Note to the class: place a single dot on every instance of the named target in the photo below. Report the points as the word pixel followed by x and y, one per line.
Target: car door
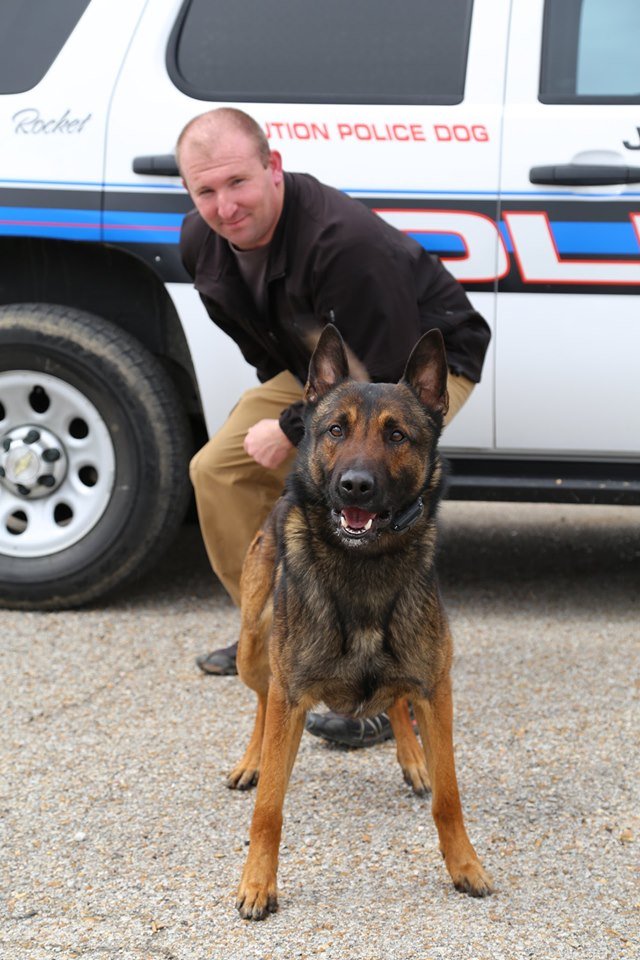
pixel 568 324
pixel 399 105
pixel 58 65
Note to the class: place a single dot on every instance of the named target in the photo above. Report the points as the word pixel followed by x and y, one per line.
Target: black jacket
pixel 332 260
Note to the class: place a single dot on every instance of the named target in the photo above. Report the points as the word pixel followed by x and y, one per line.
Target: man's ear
pixel 426 372
pixel 328 366
pixel 275 165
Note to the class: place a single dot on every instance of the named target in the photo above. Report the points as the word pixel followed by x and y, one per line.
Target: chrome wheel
pixel 57 464
pixel 94 454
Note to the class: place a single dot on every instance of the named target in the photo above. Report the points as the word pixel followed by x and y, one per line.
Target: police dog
pixel 340 601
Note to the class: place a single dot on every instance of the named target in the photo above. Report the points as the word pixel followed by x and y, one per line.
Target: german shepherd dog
pixel 340 601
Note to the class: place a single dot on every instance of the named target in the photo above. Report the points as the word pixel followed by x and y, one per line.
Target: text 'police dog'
pixel 340 601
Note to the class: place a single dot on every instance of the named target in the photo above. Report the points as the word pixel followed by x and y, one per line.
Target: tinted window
pixel 334 51
pixel 32 33
pixel 590 52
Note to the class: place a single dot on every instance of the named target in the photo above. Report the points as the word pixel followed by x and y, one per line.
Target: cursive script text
pixel 30 121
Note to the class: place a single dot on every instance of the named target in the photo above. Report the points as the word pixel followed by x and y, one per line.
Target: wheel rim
pixel 57 464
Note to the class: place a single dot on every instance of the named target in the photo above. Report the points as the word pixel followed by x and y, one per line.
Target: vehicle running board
pixel 549 481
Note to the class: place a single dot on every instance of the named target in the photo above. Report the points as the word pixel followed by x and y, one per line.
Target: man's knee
pixel 207 464
pixel 193 467
pixel 460 389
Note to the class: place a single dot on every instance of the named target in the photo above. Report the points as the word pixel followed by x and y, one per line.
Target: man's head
pixel 235 181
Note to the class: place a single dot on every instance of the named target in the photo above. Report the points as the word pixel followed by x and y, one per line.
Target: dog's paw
pixel 256 901
pixel 243 777
pixel 471 878
pixel 417 776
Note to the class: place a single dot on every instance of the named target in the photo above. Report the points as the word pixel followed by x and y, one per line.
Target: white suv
pixel 502 135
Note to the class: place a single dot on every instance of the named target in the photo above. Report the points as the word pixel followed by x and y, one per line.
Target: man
pixel 274 257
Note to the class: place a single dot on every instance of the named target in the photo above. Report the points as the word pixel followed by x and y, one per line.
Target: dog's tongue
pixel 356 518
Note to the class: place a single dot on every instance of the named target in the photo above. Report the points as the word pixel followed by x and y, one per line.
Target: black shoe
pixel 222 663
pixel 338 728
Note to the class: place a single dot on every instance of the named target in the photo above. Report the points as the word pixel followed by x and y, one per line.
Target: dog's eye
pixel 335 430
pixel 397 436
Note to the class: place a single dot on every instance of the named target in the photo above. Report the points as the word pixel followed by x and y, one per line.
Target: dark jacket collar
pixel 278 257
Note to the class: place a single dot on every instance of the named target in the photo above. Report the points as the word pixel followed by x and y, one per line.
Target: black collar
pixel 407 517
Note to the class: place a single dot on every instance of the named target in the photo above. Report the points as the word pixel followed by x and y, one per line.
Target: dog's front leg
pixel 435 721
pixel 257 894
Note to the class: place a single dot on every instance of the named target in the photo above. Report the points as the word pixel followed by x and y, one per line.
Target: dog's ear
pixel 426 372
pixel 328 366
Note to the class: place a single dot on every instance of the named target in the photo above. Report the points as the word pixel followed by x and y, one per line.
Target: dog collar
pixel 407 517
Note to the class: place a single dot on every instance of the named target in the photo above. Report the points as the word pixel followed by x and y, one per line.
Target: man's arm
pixel 370 295
pixel 383 291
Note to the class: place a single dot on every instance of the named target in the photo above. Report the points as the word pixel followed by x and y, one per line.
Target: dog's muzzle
pixel 355 492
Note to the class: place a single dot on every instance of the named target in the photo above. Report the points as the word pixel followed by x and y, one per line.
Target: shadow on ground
pixel 585 556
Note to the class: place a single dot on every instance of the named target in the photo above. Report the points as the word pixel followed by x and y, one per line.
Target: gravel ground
pixel 120 839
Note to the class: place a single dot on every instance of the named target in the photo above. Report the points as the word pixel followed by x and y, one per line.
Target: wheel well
pixel 107 281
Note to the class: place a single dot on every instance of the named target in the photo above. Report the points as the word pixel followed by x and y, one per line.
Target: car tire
pixel 94 448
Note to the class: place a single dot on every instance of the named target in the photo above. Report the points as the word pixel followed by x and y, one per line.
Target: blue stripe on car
pixel 572 238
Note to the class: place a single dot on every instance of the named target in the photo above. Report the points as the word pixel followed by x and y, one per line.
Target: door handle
pixel 159 165
pixel 584 174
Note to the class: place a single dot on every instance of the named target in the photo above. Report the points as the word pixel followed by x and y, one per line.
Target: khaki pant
pixel 234 494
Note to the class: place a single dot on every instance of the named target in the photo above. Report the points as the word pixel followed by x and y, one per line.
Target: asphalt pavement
pixel 120 840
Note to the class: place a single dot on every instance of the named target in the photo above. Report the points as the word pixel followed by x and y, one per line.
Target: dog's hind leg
pixel 435 720
pixel 410 755
pixel 284 723
pixel 253 648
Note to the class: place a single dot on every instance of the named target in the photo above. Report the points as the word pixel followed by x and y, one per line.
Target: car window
pixel 32 34
pixel 590 52
pixel 337 51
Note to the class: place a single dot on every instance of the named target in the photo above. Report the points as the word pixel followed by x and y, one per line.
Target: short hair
pixel 205 128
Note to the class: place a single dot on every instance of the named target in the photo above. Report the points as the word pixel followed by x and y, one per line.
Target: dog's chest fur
pixel 358 631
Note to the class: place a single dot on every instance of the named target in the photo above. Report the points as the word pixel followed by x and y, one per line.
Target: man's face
pixel 233 192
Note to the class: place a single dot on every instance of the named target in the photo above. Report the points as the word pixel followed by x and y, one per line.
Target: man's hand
pixel 267 444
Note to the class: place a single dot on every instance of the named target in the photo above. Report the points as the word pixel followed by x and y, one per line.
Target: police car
pixel 504 135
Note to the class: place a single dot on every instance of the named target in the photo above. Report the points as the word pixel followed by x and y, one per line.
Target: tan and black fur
pixel 340 607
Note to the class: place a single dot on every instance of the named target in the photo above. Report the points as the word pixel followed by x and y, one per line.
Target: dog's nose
pixel 357 485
